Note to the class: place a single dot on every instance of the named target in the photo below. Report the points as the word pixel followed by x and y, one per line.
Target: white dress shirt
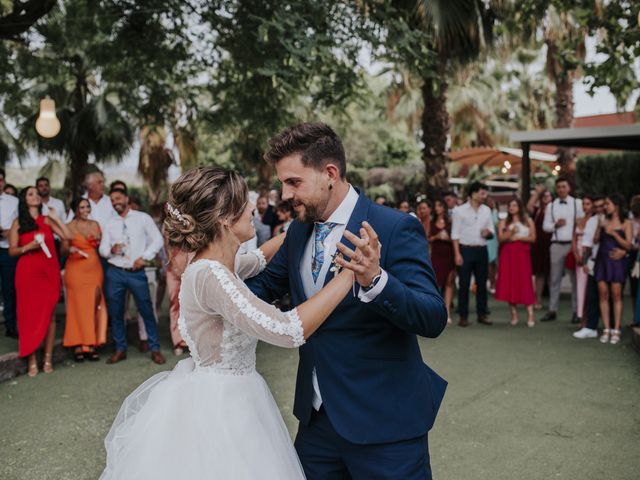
pixel 8 213
pixel 101 211
pixel 589 236
pixel 139 235
pixel 467 224
pixel 570 209
pixel 341 218
pixel 57 205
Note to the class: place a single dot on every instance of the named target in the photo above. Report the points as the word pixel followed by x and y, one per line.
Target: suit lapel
pixel 358 216
pixel 299 247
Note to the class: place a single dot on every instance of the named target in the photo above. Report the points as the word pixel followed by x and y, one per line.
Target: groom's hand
pixel 365 260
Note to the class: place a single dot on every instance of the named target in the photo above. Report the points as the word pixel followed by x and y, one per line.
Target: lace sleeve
pixel 250 264
pixel 226 295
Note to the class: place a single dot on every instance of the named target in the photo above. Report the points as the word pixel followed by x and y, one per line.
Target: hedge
pixel 609 173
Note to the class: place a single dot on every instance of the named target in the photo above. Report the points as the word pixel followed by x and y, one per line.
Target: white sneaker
pixel 585 333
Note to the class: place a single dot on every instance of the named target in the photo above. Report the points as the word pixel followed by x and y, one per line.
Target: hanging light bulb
pixel 47 124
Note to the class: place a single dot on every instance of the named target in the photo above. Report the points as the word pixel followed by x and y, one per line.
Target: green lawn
pixel 522 404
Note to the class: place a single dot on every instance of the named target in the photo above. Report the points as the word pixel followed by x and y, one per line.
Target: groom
pixel 364 398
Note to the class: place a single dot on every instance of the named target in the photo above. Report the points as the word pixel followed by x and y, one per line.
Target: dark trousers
pixel 476 262
pixel 8 279
pixel 325 455
pixel 117 283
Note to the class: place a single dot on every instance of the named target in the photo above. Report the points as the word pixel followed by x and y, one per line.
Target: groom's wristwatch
pixel 373 283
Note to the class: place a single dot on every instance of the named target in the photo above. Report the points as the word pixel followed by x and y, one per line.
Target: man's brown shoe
pixel 118 356
pixel 157 357
pixel 463 322
pixel 484 320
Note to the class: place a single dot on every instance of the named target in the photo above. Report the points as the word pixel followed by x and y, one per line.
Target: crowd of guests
pixel 594 239
pixel 104 250
pixel 96 256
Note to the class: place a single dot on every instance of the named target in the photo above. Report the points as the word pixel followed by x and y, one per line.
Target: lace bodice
pixel 222 320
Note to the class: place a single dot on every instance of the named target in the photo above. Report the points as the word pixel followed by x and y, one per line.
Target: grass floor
pixel 521 404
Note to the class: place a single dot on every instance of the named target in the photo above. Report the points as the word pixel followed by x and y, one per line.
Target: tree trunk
pixel 435 132
pixel 74 181
pixel 78 158
pixel 564 119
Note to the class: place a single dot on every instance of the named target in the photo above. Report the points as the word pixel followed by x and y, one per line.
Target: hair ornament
pixel 175 213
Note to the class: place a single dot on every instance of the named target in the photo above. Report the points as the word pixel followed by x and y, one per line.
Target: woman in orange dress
pixel 86 326
pixel 37 277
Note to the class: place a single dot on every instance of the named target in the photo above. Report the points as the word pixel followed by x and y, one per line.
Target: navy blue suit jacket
pixel 375 386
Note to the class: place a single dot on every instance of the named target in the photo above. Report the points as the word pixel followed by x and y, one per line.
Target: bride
pixel 213 416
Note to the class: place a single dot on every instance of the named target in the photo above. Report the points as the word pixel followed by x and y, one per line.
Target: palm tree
pixel 431 39
pixel 154 162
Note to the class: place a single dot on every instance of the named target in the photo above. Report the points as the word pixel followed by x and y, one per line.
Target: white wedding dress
pixel 212 416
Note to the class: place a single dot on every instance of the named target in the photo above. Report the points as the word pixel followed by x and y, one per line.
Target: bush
pixel 610 173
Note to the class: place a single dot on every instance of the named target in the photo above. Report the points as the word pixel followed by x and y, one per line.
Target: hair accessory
pixel 175 213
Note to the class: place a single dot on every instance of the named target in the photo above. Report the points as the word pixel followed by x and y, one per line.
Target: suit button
pixel 386 303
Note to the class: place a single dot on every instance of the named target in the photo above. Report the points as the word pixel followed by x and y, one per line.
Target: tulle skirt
pixel 200 424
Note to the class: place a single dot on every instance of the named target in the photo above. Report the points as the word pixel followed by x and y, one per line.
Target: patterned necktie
pixel 322 230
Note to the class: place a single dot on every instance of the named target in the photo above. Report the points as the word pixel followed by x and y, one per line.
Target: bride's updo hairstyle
pixel 200 202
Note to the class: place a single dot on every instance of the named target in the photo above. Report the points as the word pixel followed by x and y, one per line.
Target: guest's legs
pixel 603 290
pixel 115 291
pixel 465 279
pixel 480 273
pixel 616 293
pixel 574 291
pixel 540 281
pixel 593 303
pixel 139 286
pixel 48 346
pixel 558 254
pixel 581 290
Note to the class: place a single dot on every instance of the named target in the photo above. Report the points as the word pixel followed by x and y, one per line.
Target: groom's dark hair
pixel 317 144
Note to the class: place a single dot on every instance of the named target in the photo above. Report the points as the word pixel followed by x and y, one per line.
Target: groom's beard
pixel 309 215
pixel 312 213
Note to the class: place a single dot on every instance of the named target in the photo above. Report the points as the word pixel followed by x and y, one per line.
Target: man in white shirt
pixel 101 208
pixel 560 220
pixel 472 225
pixel 44 190
pixel 129 240
pixel 8 213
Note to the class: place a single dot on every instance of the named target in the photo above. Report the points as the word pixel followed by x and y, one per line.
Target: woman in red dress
pixel 514 284
pixel 37 276
pixel 442 255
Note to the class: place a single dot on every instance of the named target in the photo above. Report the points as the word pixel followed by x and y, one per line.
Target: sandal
pixel 92 355
pixel 514 321
pixel 615 336
pixel 48 363
pixel 604 338
pixel 78 356
pixel 531 323
pixel 32 369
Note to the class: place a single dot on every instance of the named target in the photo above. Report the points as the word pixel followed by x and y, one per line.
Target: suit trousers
pixel 325 455
pixel 558 253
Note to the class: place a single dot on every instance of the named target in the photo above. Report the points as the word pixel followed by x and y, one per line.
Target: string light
pixel 47 124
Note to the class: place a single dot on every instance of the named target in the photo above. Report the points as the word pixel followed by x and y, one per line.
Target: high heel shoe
pixel 48 363
pixel 32 369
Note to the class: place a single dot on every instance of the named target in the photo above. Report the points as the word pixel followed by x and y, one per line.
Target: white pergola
pixel 620 137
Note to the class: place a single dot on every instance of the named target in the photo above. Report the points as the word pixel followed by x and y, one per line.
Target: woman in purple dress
pixel 614 232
